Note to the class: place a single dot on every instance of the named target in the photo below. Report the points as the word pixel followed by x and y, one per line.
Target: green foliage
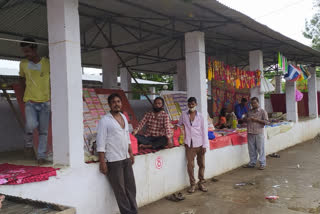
pixel 312 27
pixel 137 92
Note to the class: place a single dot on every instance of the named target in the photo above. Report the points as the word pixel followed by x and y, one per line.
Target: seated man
pixel 241 110
pixel 158 133
pixel 222 123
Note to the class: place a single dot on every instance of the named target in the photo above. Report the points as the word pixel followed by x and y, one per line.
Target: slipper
pixel 172 198
pixel 214 180
pixel 274 155
pixel 175 197
pixel 180 196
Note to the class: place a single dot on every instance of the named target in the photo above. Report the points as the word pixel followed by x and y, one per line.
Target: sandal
pixel 248 166
pixel 192 189
pixel 274 155
pixel 203 188
pixel 175 197
pixel 180 196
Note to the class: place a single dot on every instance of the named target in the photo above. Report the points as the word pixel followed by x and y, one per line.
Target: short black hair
pixel 159 98
pixel 223 112
pixel 26 43
pixel 192 99
pixel 244 100
pixel 255 98
pixel 112 96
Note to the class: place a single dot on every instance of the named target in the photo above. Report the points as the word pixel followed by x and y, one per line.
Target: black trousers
pixel 121 177
pixel 155 142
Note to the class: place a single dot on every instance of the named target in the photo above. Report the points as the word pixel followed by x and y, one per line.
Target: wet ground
pixel 294 177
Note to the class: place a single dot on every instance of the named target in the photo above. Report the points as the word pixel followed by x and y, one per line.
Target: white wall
pixel 87 190
pixel 11 134
pixel 268 105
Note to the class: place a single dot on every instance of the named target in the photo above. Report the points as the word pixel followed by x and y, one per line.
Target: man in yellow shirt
pixel 35 71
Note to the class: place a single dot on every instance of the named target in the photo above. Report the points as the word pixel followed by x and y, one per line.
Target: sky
pixel 285 16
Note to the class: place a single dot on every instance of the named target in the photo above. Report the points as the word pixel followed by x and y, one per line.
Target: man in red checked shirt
pixel 158 133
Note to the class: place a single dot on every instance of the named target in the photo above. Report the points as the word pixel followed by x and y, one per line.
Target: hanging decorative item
pixel 299 95
pixel 210 70
pixel 282 63
pixel 237 78
pixel 306 74
pixel 293 74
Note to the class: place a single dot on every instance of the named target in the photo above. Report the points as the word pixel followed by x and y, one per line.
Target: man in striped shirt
pixel 158 132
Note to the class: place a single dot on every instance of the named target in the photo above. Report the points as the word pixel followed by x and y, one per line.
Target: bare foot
pixel 2 197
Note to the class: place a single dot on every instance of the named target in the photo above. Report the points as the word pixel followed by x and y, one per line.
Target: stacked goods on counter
pixel 175 104
pixel 94 107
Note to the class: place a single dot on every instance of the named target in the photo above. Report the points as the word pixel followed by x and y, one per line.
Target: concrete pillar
pixel 196 69
pixel 179 79
pixel 312 94
pixel 291 104
pixel 152 90
pixel 66 82
pixel 278 88
pixel 125 81
pixel 256 62
pixel 110 62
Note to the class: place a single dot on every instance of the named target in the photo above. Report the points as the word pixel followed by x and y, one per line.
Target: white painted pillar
pixel 291 104
pixel 109 61
pixel 278 88
pixel 180 78
pixel 125 81
pixel 312 94
pixel 152 90
pixel 256 62
pixel 196 69
pixel 66 82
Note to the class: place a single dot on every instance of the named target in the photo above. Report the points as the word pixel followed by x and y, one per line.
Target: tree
pixel 154 77
pixel 312 27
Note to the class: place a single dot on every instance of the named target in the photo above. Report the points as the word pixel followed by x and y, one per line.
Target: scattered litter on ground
pixel 214 180
pixel 242 184
pixel 276 186
pixel 272 198
pixel 286 181
pixel 176 197
pixel 274 155
pixel 189 212
pixel 298 166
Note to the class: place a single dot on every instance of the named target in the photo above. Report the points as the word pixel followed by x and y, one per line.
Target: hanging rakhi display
pixel 237 78
pixel 282 63
pixel 210 70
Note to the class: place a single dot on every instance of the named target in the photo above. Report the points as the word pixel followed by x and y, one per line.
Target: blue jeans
pixel 256 147
pixel 37 116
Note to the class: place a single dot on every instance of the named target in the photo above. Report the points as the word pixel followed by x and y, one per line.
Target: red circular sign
pixel 159 162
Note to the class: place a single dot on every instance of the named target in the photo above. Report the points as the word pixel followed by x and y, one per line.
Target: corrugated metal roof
pixel 149 34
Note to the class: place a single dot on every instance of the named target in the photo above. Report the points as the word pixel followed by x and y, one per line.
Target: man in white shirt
pixel 115 155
